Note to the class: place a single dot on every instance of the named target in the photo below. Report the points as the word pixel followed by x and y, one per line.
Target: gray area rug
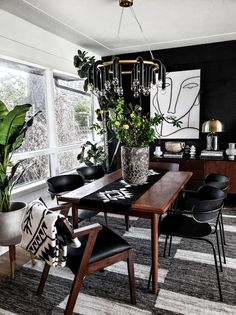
pixel 187 280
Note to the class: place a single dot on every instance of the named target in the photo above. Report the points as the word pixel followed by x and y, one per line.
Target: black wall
pixel 217 62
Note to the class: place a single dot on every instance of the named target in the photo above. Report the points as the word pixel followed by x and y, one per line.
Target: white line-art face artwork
pixel 180 101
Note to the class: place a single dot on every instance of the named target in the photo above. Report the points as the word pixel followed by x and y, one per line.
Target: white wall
pixel 22 40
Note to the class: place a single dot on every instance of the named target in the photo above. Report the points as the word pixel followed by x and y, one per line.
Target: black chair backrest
pixel 91 172
pixel 209 193
pixel 63 183
pixel 207 210
pixel 164 165
pixel 219 185
pixel 217 180
pixel 210 203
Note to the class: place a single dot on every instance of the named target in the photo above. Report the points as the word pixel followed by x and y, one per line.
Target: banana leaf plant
pixel 13 127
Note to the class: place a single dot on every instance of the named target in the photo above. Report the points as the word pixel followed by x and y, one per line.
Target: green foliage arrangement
pixel 130 126
pixel 94 155
pixel 13 127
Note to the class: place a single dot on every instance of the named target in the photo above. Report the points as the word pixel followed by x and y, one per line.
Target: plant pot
pixel 10 224
pixel 134 164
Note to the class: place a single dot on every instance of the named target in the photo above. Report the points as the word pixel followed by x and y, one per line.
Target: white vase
pixel 134 164
pixel 231 151
pixel 158 152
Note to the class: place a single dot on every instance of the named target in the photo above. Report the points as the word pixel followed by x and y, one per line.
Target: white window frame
pixel 52 150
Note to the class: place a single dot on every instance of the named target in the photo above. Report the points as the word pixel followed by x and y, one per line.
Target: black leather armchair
pixel 100 247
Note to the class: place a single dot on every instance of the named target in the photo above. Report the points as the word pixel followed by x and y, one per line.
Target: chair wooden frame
pixel 87 268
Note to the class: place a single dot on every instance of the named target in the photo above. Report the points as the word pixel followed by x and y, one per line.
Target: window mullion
pixel 51 122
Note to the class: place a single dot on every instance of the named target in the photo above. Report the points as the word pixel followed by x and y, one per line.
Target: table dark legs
pixel 154 242
pixel 75 216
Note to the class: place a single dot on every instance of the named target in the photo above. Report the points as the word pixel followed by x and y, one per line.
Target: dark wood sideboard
pixel 201 168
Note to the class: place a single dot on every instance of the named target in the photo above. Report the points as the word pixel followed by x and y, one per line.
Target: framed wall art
pixel 181 100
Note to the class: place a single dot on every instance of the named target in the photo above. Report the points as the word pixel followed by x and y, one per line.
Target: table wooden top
pixel 157 199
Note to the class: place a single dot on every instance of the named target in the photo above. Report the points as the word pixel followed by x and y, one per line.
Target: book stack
pixel 173 155
pixel 212 155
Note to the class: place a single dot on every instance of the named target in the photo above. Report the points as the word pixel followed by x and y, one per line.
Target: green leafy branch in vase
pixel 128 124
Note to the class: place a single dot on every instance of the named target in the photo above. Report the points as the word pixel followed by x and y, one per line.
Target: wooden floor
pixel 21 258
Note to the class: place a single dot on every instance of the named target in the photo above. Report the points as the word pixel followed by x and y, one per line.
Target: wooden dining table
pixel 153 202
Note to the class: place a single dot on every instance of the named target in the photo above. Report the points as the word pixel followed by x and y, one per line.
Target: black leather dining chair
pixel 61 184
pixel 203 193
pixel 196 219
pixel 90 173
pixel 222 182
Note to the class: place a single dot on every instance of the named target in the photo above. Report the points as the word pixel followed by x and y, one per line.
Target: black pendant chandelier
pixel 105 76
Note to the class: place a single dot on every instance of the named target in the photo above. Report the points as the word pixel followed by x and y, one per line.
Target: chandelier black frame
pixel 106 76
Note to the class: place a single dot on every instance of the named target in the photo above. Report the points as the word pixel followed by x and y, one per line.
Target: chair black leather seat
pixel 107 244
pixel 91 172
pixel 61 184
pixel 179 225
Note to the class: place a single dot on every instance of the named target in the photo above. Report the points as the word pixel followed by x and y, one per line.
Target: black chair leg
pixel 222 226
pixel 105 217
pixel 222 242
pixel 218 247
pixel 127 223
pixel 170 243
pixel 149 279
pixel 217 272
pixel 164 253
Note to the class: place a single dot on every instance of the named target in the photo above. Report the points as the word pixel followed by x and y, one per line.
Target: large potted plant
pixel 13 126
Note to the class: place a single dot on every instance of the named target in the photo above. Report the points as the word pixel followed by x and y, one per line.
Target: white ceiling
pixel 93 24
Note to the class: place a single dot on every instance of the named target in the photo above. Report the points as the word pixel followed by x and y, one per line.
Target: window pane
pixel 21 84
pixel 37 168
pixel 68 160
pixel 74 114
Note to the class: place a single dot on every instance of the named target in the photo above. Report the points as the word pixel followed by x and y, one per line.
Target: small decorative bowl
pixel 174 147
